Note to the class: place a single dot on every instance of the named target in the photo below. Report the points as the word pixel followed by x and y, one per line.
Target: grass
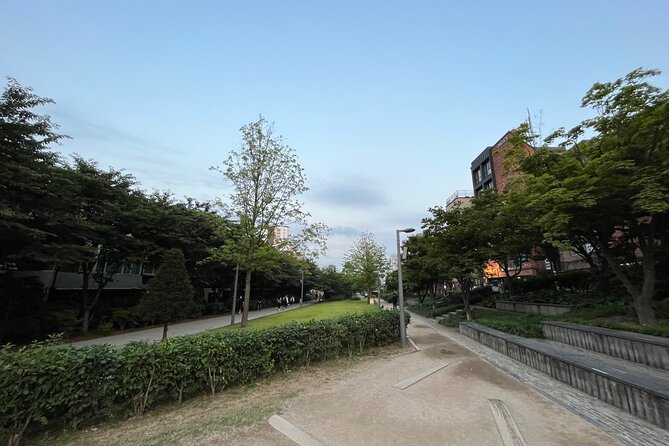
pixel 324 310
pixel 615 316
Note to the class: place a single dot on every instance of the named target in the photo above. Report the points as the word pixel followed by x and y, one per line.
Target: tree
pixel 365 262
pixel 461 246
pixel 612 188
pixel 107 212
pixel 169 296
pixel 511 234
pixel 29 195
pixel 425 272
pixel 267 179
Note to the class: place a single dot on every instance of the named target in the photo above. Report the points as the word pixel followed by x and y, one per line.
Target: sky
pixel 386 103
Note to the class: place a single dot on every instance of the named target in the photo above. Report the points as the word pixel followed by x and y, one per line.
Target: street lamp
pixel 400 287
pixel 234 296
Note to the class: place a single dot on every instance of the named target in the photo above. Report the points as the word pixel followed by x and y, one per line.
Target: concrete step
pixel 635 388
pixel 635 347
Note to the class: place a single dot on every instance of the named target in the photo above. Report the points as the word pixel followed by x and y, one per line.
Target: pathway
pixel 441 394
pixel 180 329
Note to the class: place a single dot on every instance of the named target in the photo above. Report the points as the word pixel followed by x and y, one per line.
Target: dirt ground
pixel 361 406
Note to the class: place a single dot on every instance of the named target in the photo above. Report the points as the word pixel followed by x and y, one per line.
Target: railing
pixel 459 194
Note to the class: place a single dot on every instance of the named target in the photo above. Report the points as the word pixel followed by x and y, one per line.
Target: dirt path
pixel 450 406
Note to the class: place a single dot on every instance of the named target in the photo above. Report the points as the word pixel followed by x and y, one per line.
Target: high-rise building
pixel 278 235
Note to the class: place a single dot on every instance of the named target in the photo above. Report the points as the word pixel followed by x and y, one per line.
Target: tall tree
pixel 612 188
pixel 425 272
pixel 107 209
pixel 511 235
pixel 29 195
pixel 365 262
pixel 461 244
pixel 169 296
pixel 267 180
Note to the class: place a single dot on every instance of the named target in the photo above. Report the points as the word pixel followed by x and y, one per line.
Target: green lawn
pixel 324 310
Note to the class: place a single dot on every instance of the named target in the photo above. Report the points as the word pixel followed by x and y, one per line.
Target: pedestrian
pixel 278 303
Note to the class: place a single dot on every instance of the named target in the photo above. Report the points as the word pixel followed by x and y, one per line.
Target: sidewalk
pixel 395 401
pixel 180 329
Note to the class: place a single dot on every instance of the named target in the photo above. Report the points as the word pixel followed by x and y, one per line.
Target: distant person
pixel 279 301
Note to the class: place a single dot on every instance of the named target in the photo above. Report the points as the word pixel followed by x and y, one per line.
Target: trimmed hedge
pixel 47 383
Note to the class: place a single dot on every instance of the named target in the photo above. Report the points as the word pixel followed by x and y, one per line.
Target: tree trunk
pixel 85 309
pixel 507 278
pixel 85 319
pixel 468 308
pixel 247 299
pixel 644 302
pixel 165 332
pixel 52 283
pixel 642 299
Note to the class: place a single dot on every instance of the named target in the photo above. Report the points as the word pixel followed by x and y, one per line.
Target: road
pixel 180 329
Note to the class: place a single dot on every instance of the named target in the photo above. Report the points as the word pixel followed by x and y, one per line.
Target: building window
pixel 488 185
pixel 487 170
pixel 148 269
pixel 477 176
pixel 132 268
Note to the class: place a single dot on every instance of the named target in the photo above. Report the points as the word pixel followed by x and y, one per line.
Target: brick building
pixel 488 170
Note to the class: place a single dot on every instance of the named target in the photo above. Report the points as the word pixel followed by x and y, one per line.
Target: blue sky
pixel 386 103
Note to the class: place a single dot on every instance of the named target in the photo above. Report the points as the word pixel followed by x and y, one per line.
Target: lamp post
pixel 234 296
pixel 400 287
pixel 302 287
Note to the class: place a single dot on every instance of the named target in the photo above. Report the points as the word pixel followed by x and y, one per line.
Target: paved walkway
pixel 623 426
pixel 180 329
pixel 444 394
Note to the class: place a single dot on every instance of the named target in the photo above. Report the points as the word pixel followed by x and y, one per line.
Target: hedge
pixel 47 383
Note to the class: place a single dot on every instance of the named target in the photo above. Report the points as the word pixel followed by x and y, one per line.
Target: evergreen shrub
pixel 47 383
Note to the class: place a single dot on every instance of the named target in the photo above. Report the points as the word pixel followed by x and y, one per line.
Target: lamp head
pixel 407 230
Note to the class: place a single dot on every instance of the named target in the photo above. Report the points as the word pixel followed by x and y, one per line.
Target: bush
pixel 662 309
pixel 45 383
pixel 453 320
pixel 446 309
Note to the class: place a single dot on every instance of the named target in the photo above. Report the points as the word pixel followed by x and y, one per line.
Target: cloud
pixel 83 129
pixel 345 231
pixel 353 193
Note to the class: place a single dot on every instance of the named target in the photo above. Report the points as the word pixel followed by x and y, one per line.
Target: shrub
pixel 446 309
pixel 45 383
pixel 453 320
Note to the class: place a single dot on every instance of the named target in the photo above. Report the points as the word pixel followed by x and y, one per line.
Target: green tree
pixel 107 210
pixel 461 245
pixel 611 189
pixel 333 283
pixel 511 235
pixel 425 272
pixel 365 262
pixel 29 188
pixel 169 296
pixel 267 180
